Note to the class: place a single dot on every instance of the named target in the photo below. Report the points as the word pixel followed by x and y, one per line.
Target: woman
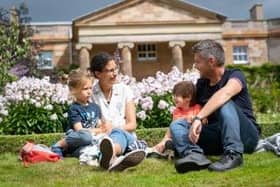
pixel 118 110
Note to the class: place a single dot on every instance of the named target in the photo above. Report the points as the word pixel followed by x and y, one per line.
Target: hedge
pixel 13 143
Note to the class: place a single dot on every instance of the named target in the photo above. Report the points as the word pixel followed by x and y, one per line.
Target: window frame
pixel 40 57
pixel 240 54
pixel 146 52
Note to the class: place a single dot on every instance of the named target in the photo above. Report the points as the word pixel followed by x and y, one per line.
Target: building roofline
pixel 96 10
pixel 273 19
pixel 246 20
pixel 204 8
pixel 123 2
pixel 51 23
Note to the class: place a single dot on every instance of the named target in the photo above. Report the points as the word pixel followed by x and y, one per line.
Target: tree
pixel 15 43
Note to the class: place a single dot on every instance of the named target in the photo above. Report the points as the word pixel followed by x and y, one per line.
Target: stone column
pixel 177 54
pixel 126 65
pixel 84 55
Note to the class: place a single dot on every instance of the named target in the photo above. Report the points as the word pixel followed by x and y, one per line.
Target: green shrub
pixel 13 143
pixel 26 118
pixel 264 86
pixel 269 129
pixel 152 136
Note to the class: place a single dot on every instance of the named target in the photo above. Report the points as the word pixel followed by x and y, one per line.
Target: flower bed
pixel 31 105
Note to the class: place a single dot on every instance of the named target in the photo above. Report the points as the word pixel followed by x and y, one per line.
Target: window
pixel 146 52
pixel 45 60
pixel 240 55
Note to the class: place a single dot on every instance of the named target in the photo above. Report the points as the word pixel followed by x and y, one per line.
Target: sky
pixel 68 10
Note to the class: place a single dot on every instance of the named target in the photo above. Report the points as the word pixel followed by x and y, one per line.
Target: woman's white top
pixel 113 111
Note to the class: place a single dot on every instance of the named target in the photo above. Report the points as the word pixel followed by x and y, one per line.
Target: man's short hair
pixel 208 48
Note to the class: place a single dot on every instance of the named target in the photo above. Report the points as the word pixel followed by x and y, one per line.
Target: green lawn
pixel 261 169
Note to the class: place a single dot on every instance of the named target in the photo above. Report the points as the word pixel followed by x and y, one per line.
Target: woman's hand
pixel 106 126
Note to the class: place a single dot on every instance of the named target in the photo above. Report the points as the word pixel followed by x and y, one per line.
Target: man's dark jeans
pixel 231 131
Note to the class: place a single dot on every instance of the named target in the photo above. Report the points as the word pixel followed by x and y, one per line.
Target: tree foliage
pixel 15 43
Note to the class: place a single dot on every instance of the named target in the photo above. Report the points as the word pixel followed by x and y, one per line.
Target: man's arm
pixel 232 88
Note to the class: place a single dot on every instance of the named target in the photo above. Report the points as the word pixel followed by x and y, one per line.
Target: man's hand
pixel 195 130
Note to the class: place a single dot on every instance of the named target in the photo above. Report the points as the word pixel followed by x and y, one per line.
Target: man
pixel 231 129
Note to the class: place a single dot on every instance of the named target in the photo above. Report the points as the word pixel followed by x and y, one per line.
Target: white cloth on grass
pixel 271 143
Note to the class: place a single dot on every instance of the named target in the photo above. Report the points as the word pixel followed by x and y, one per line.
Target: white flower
pixel 147 103
pixel 32 101
pixel 65 115
pixel 26 96
pixel 53 117
pixel 38 105
pixel 171 109
pixel 48 107
pixel 30 88
pixel 162 104
pixel 142 115
pixel 147 106
pixel 4 112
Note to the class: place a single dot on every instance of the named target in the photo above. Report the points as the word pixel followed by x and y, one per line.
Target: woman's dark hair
pixel 99 61
pixel 185 89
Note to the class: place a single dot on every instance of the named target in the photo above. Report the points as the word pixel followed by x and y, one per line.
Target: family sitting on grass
pixel 214 117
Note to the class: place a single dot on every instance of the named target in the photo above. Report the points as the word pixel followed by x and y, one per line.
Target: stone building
pixel 152 35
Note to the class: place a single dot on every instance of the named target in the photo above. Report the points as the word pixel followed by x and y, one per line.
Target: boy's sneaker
pixel 57 150
pixel 131 159
pixel 106 149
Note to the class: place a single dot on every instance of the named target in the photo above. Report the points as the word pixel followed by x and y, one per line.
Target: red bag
pixel 33 153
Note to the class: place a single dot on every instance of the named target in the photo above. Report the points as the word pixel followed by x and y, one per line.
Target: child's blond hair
pixel 77 79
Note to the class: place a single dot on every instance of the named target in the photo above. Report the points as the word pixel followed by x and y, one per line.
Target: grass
pixel 260 169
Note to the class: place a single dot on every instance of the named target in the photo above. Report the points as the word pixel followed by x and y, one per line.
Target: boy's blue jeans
pixel 232 131
pixel 122 137
pixel 77 140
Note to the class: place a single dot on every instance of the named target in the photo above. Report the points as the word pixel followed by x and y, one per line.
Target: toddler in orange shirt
pixel 184 99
